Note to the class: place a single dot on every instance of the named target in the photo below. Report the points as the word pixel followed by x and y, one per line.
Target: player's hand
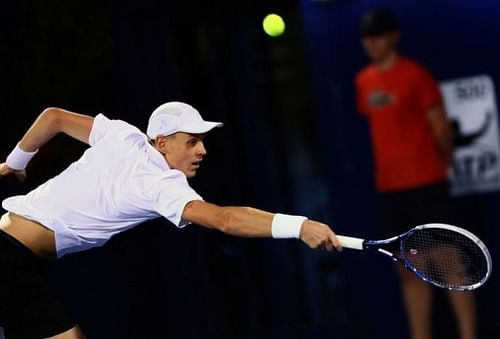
pixel 6 171
pixel 319 236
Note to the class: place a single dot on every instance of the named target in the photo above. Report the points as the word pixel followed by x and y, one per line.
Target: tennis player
pixel 413 145
pixel 124 178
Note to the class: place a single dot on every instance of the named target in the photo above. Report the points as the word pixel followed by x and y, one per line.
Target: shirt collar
pixel 156 157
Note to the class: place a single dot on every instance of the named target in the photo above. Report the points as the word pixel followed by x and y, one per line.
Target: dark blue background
pixel 292 142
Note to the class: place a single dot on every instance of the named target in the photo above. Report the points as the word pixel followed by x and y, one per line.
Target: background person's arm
pixel 251 222
pixel 442 131
pixel 48 124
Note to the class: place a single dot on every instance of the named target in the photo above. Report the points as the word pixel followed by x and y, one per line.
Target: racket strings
pixel 445 257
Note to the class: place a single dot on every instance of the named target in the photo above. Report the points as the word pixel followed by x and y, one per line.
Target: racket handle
pixel 350 242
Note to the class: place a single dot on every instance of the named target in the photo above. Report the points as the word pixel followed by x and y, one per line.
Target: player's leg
pixel 28 308
pixel 464 309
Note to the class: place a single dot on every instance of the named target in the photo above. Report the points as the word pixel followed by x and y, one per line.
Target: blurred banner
pixel 472 109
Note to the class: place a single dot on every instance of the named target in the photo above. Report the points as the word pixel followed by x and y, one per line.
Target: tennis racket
pixel 444 255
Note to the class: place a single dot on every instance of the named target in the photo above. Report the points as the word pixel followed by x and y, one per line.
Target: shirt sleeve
pixel 427 91
pixel 173 196
pixel 114 129
pixel 99 128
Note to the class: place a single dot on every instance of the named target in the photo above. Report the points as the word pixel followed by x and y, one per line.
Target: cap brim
pixel 201 128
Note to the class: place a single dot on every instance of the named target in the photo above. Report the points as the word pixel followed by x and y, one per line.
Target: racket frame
pixel 377 245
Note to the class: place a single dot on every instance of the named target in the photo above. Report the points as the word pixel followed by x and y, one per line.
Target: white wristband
pixel 19 159
pixel 287 226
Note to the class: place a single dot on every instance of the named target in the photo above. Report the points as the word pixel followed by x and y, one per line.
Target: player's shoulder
pixel 113 130
pixel 159 176
pixel 160 181
pixel 123 128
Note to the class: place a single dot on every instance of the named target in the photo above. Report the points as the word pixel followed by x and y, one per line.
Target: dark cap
pixel 378 22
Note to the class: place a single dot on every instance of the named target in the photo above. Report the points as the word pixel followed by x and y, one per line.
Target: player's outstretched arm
pixel 49 123
pixel 251 222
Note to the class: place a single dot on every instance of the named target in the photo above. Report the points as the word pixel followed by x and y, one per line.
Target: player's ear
pixel 166 144
pixel 161 144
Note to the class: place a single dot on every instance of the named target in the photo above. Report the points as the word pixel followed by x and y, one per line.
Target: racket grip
pixel 350 242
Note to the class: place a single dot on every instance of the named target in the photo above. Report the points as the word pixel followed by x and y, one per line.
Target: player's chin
pixel 191 173
pixel 191 169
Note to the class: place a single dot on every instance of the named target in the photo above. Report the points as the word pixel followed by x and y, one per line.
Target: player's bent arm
pixel 53 121
pixel 49 123
pixel 442 131
pixel 251 222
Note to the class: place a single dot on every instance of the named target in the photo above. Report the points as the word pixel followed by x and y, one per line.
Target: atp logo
pixel 472 111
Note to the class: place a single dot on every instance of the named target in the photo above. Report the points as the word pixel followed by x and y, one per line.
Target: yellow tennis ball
pixel 273 25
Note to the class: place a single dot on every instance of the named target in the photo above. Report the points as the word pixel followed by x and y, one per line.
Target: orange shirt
pixel 395 102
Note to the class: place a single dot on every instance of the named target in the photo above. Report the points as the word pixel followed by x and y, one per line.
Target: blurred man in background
pixel 413 145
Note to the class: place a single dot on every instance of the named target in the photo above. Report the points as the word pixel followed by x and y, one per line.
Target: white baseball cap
pixel 174 116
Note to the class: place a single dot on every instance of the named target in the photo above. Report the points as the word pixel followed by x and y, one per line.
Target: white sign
pixel 471 106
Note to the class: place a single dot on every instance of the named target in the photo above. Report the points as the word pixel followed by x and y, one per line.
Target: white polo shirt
pixel 118 183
